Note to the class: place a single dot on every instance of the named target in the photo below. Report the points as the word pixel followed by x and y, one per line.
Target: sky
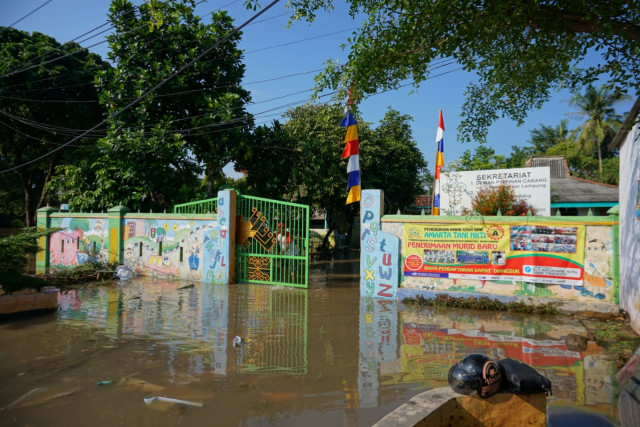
pixel 272 51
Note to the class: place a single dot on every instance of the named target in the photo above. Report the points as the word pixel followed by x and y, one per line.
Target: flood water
pixel 316 357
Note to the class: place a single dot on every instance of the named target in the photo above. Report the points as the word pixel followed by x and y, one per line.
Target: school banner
pixel 529 253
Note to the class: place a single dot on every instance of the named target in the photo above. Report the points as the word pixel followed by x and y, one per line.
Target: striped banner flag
pixel 351 150
pixel 439 165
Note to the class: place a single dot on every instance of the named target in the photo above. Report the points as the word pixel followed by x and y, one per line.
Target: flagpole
pixel 435 198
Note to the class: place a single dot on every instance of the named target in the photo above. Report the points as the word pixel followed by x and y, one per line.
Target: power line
pixel 97 135
pixel 32 12
pixel 144 95
pixel 30 64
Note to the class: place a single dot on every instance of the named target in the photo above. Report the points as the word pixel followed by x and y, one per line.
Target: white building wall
pixel 630 227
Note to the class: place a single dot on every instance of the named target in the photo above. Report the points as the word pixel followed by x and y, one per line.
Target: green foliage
pixel 491 200
pixel 391 160
pixel 45 102
pixel 301 160
pixel 521 51
pixel 196 122
pixel 13 259
pixel 484 157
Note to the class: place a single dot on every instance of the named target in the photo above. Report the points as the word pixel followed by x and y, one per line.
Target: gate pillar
pixel 219 266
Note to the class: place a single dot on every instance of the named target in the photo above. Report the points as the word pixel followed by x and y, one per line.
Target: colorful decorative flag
pixel 352 152
pixel 439 165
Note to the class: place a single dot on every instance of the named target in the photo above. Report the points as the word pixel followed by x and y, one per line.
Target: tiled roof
pixel 571 189
pixel 568 189
pixel 558 167
pixel 424 200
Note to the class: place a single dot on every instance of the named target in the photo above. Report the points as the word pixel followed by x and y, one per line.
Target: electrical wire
pixel 31 13
pixel 144 95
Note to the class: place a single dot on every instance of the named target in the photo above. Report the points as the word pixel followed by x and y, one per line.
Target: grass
pixel 482 303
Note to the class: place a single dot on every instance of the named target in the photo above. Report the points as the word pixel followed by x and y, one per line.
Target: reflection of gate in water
pixel 272 242
pixel 277 325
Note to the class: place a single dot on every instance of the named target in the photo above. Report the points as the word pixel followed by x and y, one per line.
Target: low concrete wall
pixel 583 248
pixel 444 407
pixel 18 303
pixel 198 247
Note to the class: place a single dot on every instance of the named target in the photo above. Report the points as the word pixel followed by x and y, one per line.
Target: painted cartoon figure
pixel 194 259
pixel 160 265
pixel 64 247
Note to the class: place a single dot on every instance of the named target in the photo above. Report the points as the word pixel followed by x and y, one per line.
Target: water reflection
pixel 194 319
pixel 431 341
pixel 322 356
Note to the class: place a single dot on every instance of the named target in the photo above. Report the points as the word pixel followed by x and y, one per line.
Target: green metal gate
pixel 272 242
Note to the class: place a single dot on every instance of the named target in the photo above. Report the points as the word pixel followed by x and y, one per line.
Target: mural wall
pixel 445 254
pixel 82 239
pixel 197 247
pixel 379 254
pixel 596 286
pixel 168 247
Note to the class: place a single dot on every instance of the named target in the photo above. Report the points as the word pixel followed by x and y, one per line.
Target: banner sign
pixel 533 185
pixel 534 253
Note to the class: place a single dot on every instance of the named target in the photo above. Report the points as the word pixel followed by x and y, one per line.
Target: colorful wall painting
pixel 169 248
pixel 597 285
pixel 535 253
pixel 218 244
pixel 379 254
pixel 82 239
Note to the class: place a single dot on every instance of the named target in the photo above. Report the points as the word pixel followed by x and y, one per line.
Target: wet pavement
pixel 315 357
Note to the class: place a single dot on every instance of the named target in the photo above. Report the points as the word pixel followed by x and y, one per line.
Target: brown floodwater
pixel 315 357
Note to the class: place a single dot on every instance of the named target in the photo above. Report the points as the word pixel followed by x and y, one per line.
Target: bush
pixel 13 259
pixel 491 200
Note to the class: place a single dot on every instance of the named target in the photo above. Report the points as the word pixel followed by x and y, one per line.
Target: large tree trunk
pixel 29 211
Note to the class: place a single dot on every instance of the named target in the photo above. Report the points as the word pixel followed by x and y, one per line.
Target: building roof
pixel 423 201
pixel 569 189
pixel 558 167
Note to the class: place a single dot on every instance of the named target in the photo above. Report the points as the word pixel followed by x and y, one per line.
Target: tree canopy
pixel 521 51
pixel 45 103
pixel 195 122
pixel 300 159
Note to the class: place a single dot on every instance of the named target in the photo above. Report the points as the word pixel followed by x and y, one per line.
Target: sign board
pixel 535 253
pixel 531 184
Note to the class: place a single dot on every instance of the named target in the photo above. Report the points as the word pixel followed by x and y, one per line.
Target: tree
pixel 300 160
pixel 602 122
pixel 48 97
pixel 13 259
pixel 521 51
pixel 270 160
pixel 319 174
pixel 195 122
pixel 483 158
pixel 392 161
pixel 503 199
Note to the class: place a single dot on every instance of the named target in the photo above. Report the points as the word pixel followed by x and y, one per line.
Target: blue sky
pixel 67 19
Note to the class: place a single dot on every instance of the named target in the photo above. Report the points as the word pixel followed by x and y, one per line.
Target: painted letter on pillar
pixel 379 251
